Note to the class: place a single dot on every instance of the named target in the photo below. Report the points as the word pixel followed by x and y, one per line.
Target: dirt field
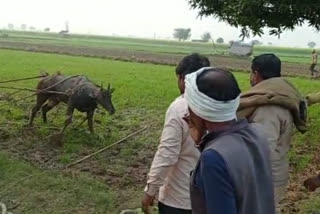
pixel 242 64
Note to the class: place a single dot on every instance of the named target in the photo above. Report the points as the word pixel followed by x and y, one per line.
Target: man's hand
pixel 146 203
pixel 312 183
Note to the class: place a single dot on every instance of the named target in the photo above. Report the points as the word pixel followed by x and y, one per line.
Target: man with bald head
pixel 233 174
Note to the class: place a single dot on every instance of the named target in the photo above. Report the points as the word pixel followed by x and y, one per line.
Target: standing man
pixel 233 175
pixel 314 73
pixel 274 103
pixel 176 156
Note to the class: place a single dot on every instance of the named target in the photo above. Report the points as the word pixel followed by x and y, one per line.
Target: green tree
pixel 47 29
pixel 312 44
pixel 253 16
pixel 182 34
pixel 220 40
pixel 206 36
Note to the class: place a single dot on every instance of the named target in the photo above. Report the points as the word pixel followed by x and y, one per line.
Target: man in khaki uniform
pixel 277 105
pixel 314 73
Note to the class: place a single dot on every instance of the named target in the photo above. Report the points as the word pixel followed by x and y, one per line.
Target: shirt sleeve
pixel 168 151
pixel 217 184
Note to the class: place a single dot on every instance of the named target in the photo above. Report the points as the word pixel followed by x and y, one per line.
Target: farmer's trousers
pixel 164 209
pixel 313 71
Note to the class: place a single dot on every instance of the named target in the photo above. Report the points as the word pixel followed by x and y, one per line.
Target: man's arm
pixel 217 184
pixel 166 156
pixel 168 152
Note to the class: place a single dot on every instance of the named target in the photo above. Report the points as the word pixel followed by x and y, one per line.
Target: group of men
pixel 222 151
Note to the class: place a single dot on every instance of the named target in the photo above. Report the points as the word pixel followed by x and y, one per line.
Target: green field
pixel 292 55
pixel 112 180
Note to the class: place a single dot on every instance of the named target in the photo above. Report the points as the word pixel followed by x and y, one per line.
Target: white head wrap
pixel 206 107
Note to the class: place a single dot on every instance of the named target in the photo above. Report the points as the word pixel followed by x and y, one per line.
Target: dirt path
pixel 145 57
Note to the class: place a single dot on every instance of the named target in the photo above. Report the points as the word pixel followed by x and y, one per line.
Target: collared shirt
pixel 175 158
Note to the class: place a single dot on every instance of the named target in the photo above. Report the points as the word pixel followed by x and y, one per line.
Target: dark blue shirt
pixel 214 181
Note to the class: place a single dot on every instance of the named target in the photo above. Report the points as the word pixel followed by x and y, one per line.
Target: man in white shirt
pixel 176 156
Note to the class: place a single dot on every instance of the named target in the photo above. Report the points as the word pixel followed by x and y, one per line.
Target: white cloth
pixel 206 107
pixel 175 159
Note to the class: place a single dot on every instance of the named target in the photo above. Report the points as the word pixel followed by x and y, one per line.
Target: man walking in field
pixel 233 175
pixel 176 156
pixel 274 103
pixel 314 73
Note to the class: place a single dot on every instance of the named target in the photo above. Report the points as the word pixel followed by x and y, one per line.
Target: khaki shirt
pixel 278 126
pixel 314 58
pixel 175 158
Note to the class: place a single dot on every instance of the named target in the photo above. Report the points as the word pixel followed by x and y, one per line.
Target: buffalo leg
pixel 90 120
pixel 68 121
pixel 47 107
pixel 41 99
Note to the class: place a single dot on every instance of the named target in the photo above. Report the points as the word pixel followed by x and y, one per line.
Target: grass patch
pixel 51 192
pixel 312 206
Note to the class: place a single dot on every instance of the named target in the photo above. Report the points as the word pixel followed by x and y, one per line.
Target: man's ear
pixel 255 74
pixel 181 77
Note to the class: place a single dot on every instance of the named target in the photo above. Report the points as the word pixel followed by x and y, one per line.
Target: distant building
pixel 66 31
pixel 241 49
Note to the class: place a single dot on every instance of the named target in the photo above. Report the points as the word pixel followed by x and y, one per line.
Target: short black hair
pixel 267 65
pixel 219 84
pixel 192 63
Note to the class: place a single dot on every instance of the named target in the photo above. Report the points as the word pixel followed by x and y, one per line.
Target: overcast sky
pixel 142 18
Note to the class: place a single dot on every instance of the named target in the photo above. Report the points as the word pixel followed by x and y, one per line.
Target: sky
pixel 139 18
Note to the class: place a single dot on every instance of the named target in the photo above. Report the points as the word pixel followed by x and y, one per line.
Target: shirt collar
pixel 240 124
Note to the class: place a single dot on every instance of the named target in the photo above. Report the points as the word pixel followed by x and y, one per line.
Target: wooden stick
pixel 16 92
pixel 72 164
pixel 16 101
pixel 44 90
pixel 61 81
pixel 105 148
pixel 33 90
pixel 28 78
pixel 86 118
